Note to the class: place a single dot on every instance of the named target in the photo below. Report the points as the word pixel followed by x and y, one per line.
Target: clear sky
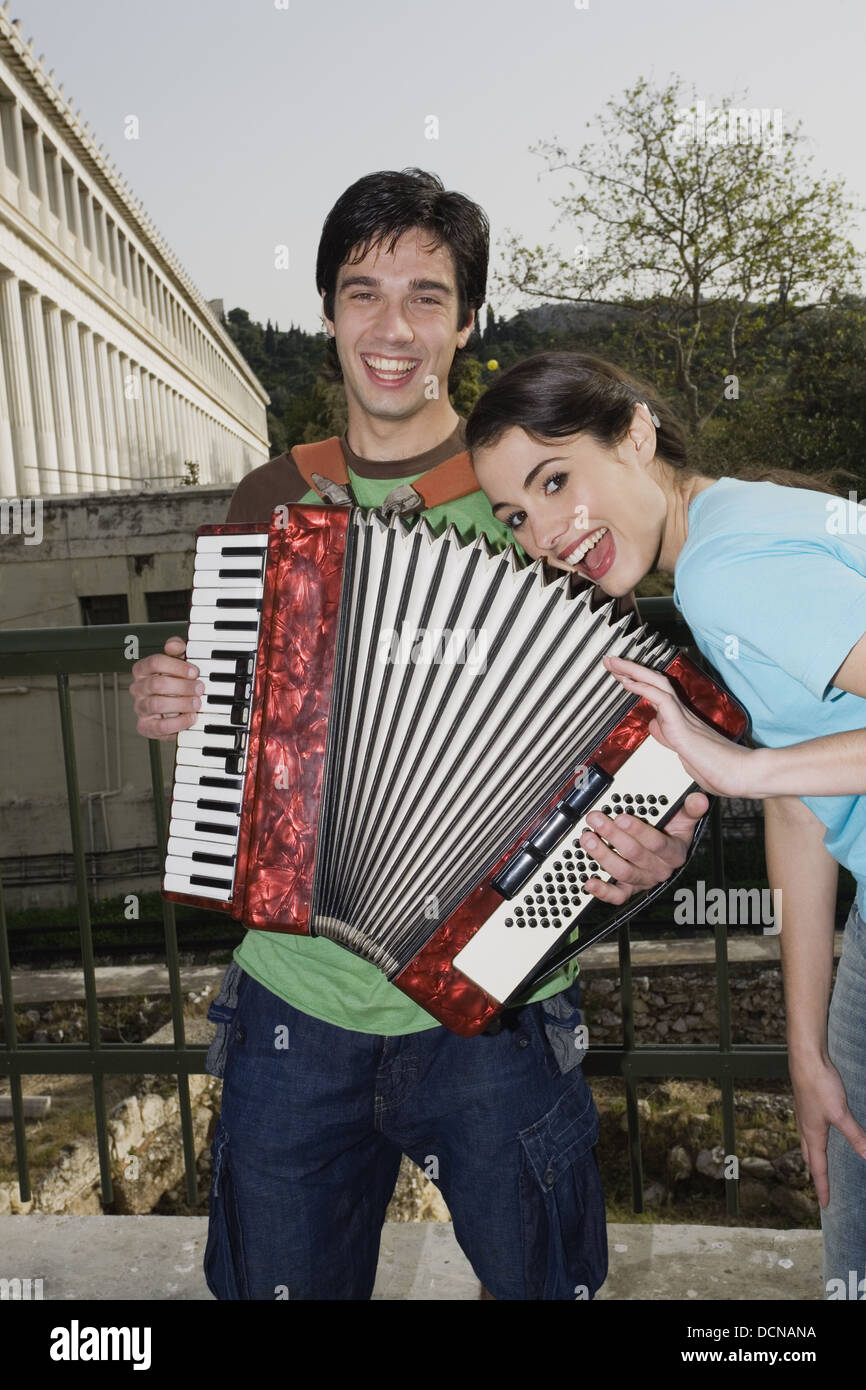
pixel 254 115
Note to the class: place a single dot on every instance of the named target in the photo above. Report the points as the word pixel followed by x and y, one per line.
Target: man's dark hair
pixel 377 210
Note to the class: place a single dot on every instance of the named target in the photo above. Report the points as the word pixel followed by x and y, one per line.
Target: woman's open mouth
pixel 594 555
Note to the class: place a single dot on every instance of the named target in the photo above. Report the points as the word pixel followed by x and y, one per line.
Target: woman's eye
pixel 557 478
pixel 515 520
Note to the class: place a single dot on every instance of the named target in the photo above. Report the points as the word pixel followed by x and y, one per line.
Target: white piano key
pixel 212 841
pixel 192 776
pixel 189 811
pixel 174 883
pixel 181 847
pixel 499 958
pixel 211 614
pixel 257 540
pixel 210 594
pixel 194 757
pixel 191 791
pixel 202 650
pixel 212 562
pixel 209 716
pixel 219 640
pixel 197 738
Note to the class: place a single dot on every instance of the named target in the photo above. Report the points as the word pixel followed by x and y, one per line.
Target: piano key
pixel 195 777
pixel 233 716
pixel 221 616
pixel 206 797
pixel 233 597
pixel 192 811
pixel 230 764
pixel 175 883
pixel 210 840
pixel 222 650
pixel 252 543
pixel 223 635
pixel 219 738
pixel 197 851
pixel 204 864
pixel 214 563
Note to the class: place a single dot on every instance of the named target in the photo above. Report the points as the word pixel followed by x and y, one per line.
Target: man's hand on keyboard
pixel 641 855
pixel 165 691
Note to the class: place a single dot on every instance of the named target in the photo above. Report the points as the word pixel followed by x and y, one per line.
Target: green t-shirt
pixel 316 975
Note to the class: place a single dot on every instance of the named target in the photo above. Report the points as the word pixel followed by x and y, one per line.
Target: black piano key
pixel 237 603
pixel 201 857
pixel 241 574
pixel 202 882
pixel 206 827
pixel 230 551
pixel 210 781
pixel 206 804
pixel 243 659
pixel 222 625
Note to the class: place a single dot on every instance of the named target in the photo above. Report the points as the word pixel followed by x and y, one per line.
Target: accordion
pixel 400 740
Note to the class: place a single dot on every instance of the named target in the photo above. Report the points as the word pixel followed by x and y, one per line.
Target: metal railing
pixel 64 652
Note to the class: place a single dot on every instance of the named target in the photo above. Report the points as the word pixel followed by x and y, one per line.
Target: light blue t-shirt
pixel 772 583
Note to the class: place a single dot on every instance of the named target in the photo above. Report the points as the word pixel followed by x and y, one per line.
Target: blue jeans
pixel 315 1119
pixel 844 1219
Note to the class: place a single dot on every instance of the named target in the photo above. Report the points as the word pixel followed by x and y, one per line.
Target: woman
pixel 590 473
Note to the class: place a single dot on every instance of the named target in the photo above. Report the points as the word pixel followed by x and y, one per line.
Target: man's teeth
pixel 577 555
pixel 387 366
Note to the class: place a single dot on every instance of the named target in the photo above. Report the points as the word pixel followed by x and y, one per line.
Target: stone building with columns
pixel 114 372
pixel 119 387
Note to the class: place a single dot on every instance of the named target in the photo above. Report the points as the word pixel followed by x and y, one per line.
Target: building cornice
pixel 30 70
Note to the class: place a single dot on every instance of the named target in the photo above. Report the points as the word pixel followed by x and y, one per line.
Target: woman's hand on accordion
pixel 165 691
pixel 715 762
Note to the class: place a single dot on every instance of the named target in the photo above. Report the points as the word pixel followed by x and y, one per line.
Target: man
pixel 330 1072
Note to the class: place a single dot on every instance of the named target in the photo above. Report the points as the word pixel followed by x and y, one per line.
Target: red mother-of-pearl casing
pixel 276 856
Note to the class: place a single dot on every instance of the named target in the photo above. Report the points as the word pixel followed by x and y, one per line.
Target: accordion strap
pixel 325 460
pixel 551 965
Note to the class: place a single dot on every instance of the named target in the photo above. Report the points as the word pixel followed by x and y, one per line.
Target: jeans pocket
pixel 562 1201
pixel 224 1264
pixel 222 1013
pixel 563 1028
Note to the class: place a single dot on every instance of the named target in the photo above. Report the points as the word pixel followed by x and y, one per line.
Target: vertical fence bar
pixel 86 937
pixel 173 963
pixel 631 1110
pixel 723 996
pixel 11 1044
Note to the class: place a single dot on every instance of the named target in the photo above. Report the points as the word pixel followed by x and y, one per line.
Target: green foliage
pixel 714 246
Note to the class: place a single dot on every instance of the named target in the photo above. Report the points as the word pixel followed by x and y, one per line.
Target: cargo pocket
pixel 564 1029
pixel 222 1013
pixel 562 1202
pixel 224 1267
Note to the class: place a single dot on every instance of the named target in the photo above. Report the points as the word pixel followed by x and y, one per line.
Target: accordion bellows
pixel 426 727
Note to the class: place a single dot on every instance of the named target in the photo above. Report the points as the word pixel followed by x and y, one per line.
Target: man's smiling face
pixel 395 326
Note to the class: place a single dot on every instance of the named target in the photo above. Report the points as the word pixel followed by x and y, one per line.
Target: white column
pixel 145 442
pixel 88 458
pixel 100 400
pixel 41 177
pixel 132 401
pixel 62 406
pixel 174 461
pixel 40 380
pixel 8 480
pixel 20 154
pixel 155 441
pixel 60 195
pixel 120 421
pixel 20 400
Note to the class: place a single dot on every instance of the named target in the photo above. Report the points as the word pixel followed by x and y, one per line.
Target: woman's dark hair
pixel 558 394
pixel 378 209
